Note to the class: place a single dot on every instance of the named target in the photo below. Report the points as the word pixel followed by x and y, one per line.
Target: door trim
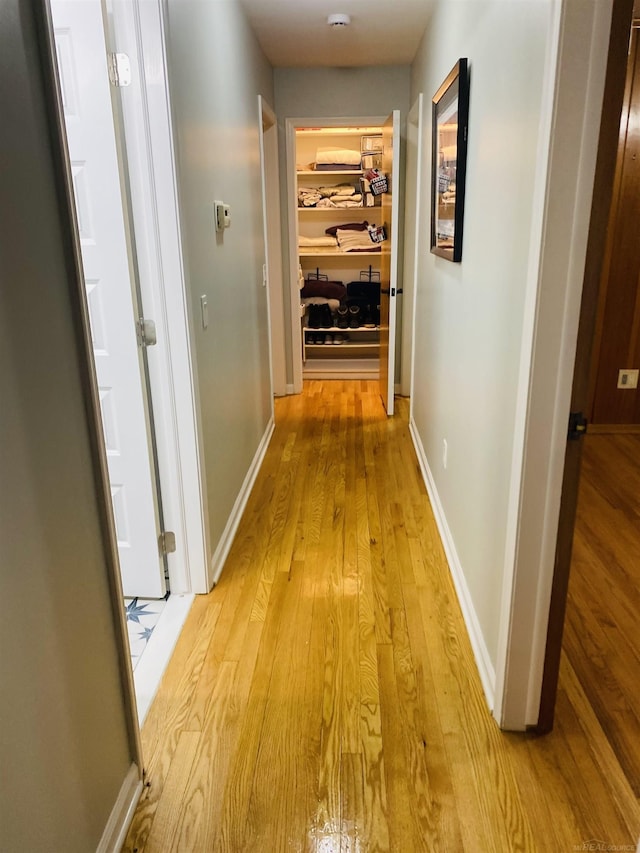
pixel 138 29
pixel 415 118
pixel 571 111
pixel 292 215
pixel 580 393
pixel 269 179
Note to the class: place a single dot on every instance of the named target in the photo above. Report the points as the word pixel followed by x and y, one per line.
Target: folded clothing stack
pixel 326 289
pixel 353 237
pixel 337 160
pixel 355 241
pixel 340 195
pixel 328 242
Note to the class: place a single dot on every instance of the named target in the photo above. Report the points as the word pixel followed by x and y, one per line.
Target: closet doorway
pixel 343 211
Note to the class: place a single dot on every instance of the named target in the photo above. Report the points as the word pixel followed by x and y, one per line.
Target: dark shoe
pixel 314 317
pixel 326 320
pixel 354 317
pixel 343 317
pixel 367 321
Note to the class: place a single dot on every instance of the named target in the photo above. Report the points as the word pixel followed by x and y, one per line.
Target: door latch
pixel 577 426
pixel 147 336
pixel 167 542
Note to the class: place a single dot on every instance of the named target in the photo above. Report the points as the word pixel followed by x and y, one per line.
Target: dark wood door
pixel 603 187
pixel 617 343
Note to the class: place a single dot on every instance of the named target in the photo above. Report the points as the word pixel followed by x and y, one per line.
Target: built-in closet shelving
pixel 358 353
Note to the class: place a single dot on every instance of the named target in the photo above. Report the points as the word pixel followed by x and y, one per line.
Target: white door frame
pixel 272 274
pixel 569 131
pixel 292 213
pixel 413 194
pixel 137 29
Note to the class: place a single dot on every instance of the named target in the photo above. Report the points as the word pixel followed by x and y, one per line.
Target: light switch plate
pixel 204 310
pixel 627 379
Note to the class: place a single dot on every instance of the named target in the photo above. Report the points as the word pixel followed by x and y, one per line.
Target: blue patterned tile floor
pixel 142 617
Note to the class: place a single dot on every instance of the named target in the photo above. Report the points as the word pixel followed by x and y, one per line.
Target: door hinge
pixel 577 426
pixel 119 69
pixel 147 336
pixel 167 542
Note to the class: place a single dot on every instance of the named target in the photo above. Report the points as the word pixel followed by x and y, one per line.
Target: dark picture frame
pixel 450 119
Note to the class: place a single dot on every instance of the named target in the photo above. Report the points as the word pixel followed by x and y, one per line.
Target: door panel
pixel 86 97
pixel 389 261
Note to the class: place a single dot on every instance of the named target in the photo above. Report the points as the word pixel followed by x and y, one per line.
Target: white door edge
pixel 138 30
pixel 415 118
pixel 268 124
pixel 394 120
pixel 568 150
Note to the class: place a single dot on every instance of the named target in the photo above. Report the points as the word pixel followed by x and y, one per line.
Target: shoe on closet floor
pixel 338 339
pixel 326 320
pixel 314 318
pixel 328 338
pixel 354 317
pixel 342 321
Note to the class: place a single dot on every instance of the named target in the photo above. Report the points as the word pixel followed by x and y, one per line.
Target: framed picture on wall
pixel 450 116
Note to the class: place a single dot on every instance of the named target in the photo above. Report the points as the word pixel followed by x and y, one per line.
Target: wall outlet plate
pixel 627 378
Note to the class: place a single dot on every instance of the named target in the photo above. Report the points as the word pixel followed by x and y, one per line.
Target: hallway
pixel 324 696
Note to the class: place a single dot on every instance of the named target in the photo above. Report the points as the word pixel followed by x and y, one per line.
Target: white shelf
pixel 334 329
pixel 322 172
pixel 338 131
pixel 371 346
pixel 333 210
pixel 336 253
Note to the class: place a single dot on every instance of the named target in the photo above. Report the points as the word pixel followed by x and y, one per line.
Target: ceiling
pixel 296 33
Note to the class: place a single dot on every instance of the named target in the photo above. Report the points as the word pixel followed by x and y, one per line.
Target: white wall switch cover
pixel 627 378
pixel 204 308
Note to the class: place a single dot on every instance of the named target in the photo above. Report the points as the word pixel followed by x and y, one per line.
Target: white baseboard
pixel 224 545
pixel 154 659
pixel 480 651
pixel 122 813
pixel 291 389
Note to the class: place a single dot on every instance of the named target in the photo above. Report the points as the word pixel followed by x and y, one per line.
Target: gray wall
pixel 332 93
pixel 470 316
pixel 65 750
pixel 216 72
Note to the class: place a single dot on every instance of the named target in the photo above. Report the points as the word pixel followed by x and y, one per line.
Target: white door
pixel 389 261
pixel 82 62
pixel 273 244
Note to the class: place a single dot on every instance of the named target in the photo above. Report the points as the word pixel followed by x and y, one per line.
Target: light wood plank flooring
pixel 324 696
pixel 602 627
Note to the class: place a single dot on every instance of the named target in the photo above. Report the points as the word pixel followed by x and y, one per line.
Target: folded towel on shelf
pixel 347 226
pixel 350 241
pixel 341 201
pixel 338 190
pixel 344 156
pixel 308 197
pixel 313 242
pixel 334 304
pixel 336 167
pixel 327 289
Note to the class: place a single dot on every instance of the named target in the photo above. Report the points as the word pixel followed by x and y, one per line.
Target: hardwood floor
pixel 324 696
pixel 602 627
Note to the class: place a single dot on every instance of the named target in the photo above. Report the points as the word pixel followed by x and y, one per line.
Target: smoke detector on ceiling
pixel 338 20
